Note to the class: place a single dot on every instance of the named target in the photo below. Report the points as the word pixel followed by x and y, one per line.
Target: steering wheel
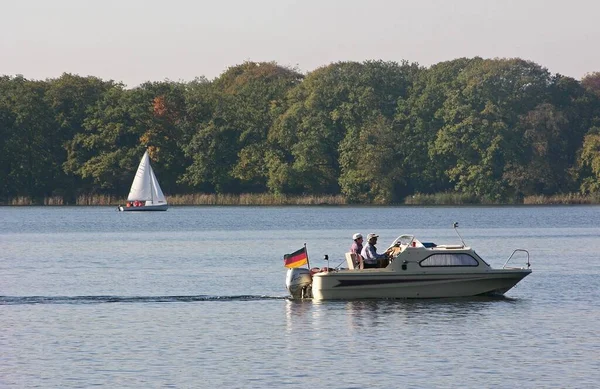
pixel 393 251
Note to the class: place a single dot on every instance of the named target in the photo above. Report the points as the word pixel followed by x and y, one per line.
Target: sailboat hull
pixel 145 208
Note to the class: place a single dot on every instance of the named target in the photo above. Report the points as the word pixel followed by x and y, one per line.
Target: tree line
pixel 374 132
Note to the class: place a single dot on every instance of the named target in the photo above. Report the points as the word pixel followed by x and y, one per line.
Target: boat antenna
pixel 455 226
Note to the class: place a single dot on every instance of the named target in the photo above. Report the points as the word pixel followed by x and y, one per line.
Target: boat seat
pixel 354 261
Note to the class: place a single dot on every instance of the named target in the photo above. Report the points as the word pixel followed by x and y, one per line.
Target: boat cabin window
pixel 450 259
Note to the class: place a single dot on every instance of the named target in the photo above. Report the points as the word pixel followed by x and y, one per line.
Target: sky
pixel 133 41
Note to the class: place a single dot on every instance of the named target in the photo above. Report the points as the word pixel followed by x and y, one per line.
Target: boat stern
pixel 298 282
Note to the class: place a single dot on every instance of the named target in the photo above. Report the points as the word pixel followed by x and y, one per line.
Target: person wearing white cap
pixel 357 245
pixel 369 253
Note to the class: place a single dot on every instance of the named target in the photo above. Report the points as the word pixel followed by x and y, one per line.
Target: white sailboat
pixel 145 193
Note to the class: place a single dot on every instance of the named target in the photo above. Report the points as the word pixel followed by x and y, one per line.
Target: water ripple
pixel 30 300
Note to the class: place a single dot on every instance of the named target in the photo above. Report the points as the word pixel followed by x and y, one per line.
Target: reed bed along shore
pixel 275 200
pixel 452 198
pixel 572 198
pixel 254 199
pixel 446 198
pixel 24 200
pixel 190 199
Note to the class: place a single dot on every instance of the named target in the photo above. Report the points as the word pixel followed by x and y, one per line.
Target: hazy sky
pixel 146 40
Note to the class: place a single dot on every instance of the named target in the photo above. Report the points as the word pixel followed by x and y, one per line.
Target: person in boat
pixel 371 258
pixel 356 248
pixel 357 245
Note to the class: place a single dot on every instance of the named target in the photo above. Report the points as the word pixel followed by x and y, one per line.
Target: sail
pixel 157 193
pixel 145 186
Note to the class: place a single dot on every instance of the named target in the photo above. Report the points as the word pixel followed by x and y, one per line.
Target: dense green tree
pixel 70 97
pixel 32 144
pixel 590 159
pixel 373 131
pixel 201 103
pixel 105 154
pixel 481 133
pixel 6 144
pixel 321 124
pixel 419 118
pixel 591 82
pixel 378 176
pixel 542 168
pixel 228 151
pixel 545 159
pixel 120 127
pixel 164 129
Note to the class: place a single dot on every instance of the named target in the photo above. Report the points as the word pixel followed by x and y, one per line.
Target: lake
pixel 195 298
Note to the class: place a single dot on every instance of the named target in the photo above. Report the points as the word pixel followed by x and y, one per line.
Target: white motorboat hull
pixel 159 207
pixel 379 283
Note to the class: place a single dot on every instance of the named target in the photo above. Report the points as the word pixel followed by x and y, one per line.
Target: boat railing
pixel 513 253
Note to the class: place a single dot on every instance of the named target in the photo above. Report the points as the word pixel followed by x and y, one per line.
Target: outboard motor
pixel 298 282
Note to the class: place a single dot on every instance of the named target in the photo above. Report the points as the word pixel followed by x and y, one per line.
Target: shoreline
pixel 441 199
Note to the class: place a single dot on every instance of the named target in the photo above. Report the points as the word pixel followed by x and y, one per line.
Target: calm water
pixel 195 298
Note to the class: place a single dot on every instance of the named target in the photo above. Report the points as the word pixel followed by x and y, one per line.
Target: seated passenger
pixel 357 245
pixel 369 253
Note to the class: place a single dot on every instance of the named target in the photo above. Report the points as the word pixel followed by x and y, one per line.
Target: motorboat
pixel 416 270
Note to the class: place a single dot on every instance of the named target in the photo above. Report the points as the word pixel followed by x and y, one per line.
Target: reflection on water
pixel 451 335
pixel 362 314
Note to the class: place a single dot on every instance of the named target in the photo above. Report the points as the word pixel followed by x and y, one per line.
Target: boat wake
pixel 32 300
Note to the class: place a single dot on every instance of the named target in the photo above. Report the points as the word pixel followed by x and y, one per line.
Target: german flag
pixel 296 259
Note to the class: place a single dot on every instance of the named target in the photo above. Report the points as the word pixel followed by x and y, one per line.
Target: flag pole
pixel 306 251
